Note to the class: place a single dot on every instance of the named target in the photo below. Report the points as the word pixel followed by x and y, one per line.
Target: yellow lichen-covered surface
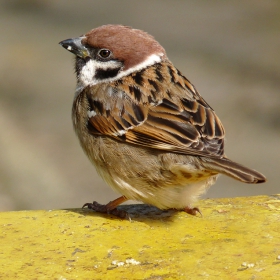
pixel 237 238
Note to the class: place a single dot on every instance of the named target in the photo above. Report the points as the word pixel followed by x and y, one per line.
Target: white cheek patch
pixel 88 72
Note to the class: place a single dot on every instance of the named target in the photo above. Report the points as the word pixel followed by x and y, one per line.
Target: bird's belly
pixel 164 180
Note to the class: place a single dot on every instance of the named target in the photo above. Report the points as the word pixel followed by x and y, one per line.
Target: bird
pixel 149 133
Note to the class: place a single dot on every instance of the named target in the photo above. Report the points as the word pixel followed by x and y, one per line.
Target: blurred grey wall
pixel 228 49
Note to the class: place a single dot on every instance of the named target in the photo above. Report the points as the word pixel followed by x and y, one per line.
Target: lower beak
pixel 75 46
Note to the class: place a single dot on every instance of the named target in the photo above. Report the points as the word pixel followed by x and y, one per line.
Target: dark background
pixel 228 49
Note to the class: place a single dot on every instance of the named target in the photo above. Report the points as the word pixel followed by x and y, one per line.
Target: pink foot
pixel 192 211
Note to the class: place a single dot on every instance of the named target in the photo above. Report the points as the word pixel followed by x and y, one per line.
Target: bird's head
pixel 111 52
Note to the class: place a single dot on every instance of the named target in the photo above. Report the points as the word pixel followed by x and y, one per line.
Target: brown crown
pixel 131 46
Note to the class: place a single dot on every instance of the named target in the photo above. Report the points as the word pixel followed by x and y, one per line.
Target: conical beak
pixel 76 47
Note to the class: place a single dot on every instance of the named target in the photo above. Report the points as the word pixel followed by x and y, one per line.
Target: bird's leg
pixel 192 211
pixel 109 208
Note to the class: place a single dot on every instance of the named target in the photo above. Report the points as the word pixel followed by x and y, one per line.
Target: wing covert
pixel 167 115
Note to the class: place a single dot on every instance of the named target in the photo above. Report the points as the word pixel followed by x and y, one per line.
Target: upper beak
pixel 75 46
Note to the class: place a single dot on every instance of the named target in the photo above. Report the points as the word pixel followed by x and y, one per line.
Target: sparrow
pixel 149 133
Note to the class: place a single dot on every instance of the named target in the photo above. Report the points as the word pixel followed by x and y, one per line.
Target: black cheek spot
pixel 102 74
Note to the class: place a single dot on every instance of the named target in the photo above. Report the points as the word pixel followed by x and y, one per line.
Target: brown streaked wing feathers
pixel 177 120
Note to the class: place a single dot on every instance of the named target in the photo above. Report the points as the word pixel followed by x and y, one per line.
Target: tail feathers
pixel 234 170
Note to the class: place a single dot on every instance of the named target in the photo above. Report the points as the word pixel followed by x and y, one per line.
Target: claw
pixel 192 211
pixel 109 208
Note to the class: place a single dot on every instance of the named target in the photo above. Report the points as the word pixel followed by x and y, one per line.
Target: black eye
pixel 104 53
